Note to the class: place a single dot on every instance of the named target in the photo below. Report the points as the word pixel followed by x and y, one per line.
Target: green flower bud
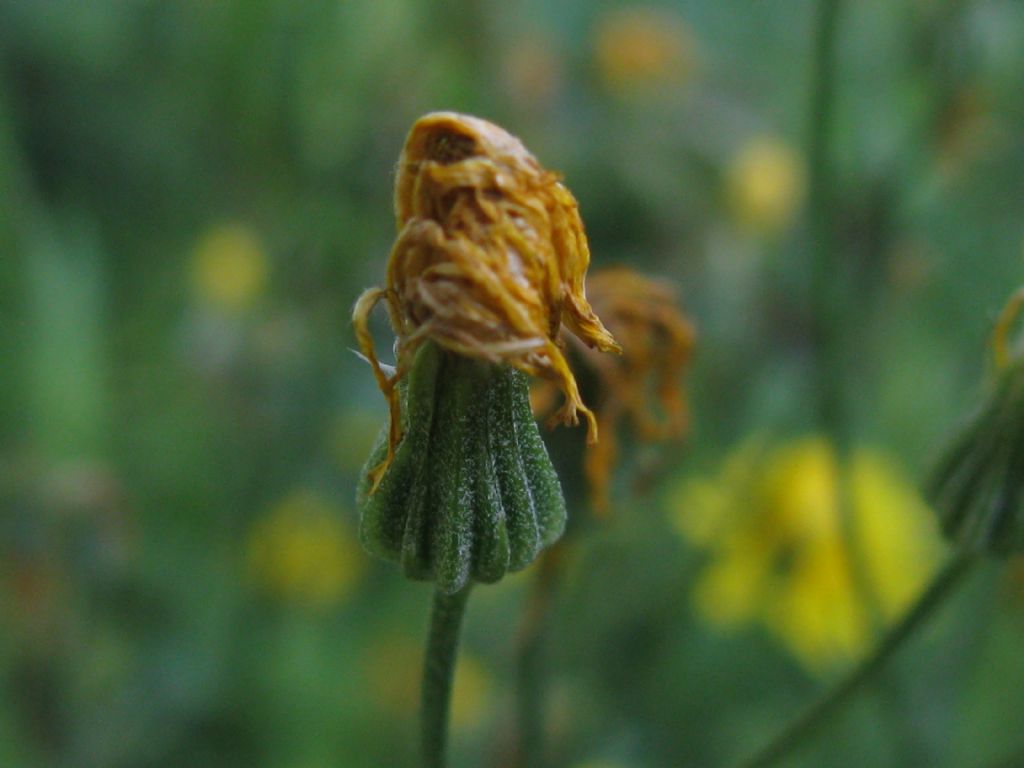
pixel 977 487
pixel 470 492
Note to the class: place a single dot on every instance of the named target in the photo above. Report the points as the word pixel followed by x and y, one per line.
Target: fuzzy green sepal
pixel 471 492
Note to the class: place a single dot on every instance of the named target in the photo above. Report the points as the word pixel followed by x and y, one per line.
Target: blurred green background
pixel 193 193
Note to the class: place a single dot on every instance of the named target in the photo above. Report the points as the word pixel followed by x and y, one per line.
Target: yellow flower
pixel 489 261
pixel 394 668
pixel 303 552
pixel 229 267
pixel 772 527
pixel 765 184
pixel 643 47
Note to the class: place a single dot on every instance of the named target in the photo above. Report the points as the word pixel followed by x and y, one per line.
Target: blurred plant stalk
pixel 54 385
pixel 642 391
pixel 946 583
pixel 59 266
pixel 976 490
pixel 827 312
pixel 829 292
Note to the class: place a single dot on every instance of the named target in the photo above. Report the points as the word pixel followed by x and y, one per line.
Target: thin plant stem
pixel 823 306
pixel 438 673
pixel 530 751
pixel 826 305
pixel 824 311
pixel 827 310
pixel 792 736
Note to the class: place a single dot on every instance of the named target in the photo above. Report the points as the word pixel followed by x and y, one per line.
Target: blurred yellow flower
pixel 765 185
pixel 394 669
pixel 229 267
pixel 303 552
pixel 641 48
pixel 771 526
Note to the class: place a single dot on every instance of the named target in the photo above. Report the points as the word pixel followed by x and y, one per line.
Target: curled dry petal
pixel 657 341
pixel 489 261
pixel 644 385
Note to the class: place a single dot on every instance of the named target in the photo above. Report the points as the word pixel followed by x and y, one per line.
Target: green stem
pixel 827 312
pixel 825 317
pixel 438 672
pixel 530 701
pixel 530 659
pixel 941 587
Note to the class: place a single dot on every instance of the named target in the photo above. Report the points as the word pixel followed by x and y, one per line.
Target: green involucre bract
pixel 471 492
pixel 977 487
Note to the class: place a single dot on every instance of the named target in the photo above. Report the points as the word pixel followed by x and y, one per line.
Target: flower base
pixel 471 492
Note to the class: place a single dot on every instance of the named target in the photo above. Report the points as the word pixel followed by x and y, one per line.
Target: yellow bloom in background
pixel 394 667
pixel 229 267
pixel 303 552
pixel 642 48
pixel 771 525
pixel 765 185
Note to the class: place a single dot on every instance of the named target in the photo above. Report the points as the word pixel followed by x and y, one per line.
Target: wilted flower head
pixel 643 386
pixel 487 268
pixel 771 526
pixel 490 258
pixel 978 485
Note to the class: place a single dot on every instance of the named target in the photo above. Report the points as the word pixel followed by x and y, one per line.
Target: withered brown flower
pixel 489 261
pixel 642 386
